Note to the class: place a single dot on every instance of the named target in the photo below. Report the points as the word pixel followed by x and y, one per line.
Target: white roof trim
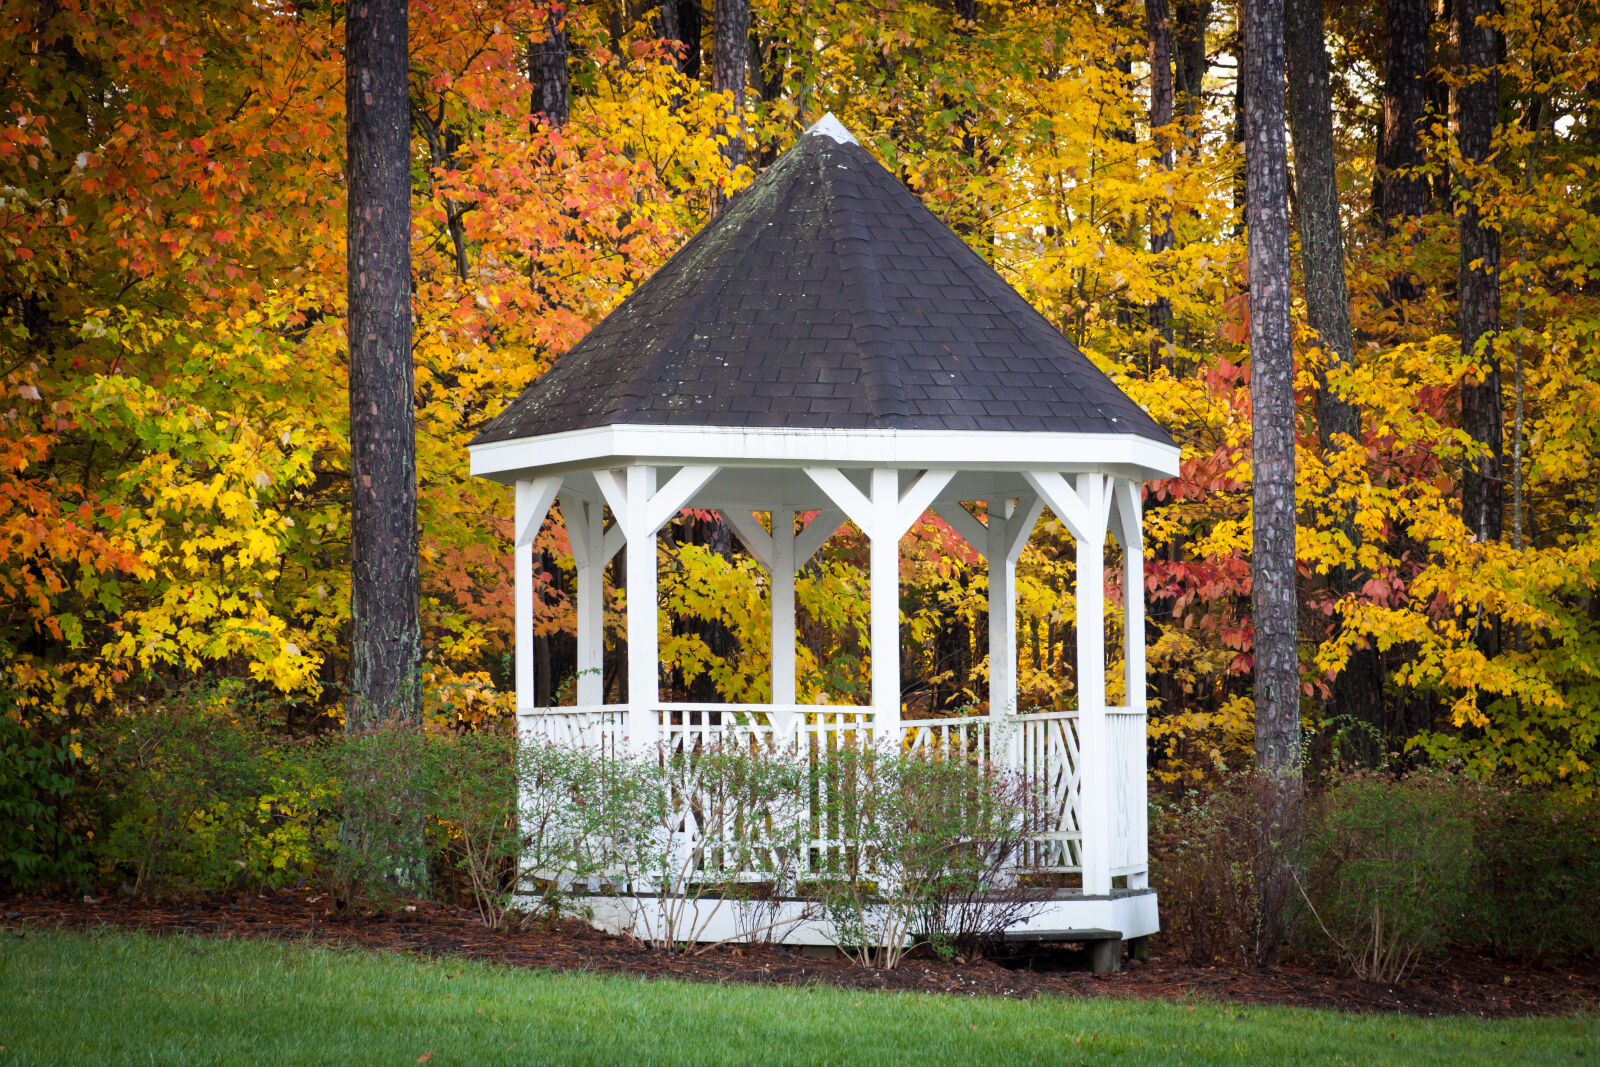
pixel 730 446
pixel 828 126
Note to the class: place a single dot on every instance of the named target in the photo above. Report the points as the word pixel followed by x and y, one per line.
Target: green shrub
pixel 1536 873
pixel 198 800
pixel 1389 872
pixel 918 849
pixel 388 777
pixel 44 839
pixel 1212 858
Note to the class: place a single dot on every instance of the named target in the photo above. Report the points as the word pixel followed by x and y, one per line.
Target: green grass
pixel 68 998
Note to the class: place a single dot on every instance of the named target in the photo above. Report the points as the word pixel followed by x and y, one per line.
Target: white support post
pixel 644 666
pixel 884 514
pixel 642 511
pixel 533 499
pixel 1095 770
pixel 1002 611
pixel 1131 523
pixel 587 534
pixel 884 578
pixel 783 622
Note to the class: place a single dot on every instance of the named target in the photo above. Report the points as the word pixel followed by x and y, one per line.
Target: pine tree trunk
pixel 730 60
pixel 1358 690
pixel 680 22
pixel 1189 52
pixel 548 77
pixel 1158 22
pixel 385 633
pixel 1478 279
pixel 383 838
pixel 1401 194
pixel 1272 565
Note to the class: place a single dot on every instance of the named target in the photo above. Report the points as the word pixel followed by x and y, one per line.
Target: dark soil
pixel 1461 984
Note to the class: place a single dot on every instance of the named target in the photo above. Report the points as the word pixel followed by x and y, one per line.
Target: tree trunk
pixel 1158 21
pixel 1189 53
pixel 730 60
pixel 548 78
pixel 385 633
pixel 1358 690
pixel 680 22
pixel 1401 193
pixel 1478 278
pixel 1272 567
pixel 385 636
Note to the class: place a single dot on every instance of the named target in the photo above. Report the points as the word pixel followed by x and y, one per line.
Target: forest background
pixel 174 461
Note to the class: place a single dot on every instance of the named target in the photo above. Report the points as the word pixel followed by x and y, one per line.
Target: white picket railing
pixel 1041 745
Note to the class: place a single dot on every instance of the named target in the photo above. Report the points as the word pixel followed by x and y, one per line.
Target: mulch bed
pixel 1462 984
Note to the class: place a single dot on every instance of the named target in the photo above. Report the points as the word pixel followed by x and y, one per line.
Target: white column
pixel 884 575
pixel 586 533
pixel 783 624
pixel 1095 770
pixel 644 671
pixel 1002 611
pixel 1131 525
pixel 533 499
pixel 522 563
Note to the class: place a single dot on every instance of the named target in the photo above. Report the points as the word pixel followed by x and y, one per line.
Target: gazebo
pixel 827 347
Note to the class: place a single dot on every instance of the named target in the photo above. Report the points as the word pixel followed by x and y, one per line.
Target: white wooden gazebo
pixel 827 347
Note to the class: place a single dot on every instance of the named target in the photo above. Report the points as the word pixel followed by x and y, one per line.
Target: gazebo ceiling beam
pixel 878 517
pixel 964 523
pixel 756 541
pixel 823 525
pixel 1085 520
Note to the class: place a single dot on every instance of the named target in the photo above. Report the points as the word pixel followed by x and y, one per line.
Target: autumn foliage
pixel 173 450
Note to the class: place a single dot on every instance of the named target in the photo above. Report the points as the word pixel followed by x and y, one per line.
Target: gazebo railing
pixel 1043 746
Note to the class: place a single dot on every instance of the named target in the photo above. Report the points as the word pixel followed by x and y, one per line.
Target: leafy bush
pixel 199 800
pixel 388 776
pixel 1213 855
pixel 1389 872
pixel 917 849
pixel 43 839
pixel 1536 873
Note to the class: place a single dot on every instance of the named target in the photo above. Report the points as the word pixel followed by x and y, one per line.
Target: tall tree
pixel 385 634
pixel 1402 193
pixel 1190 19
pixel 1478 276
pixel 1158 23
pixel 680 23
pixel 730 64
pixel 1358 692
pixel 550 93
pixel 1272 563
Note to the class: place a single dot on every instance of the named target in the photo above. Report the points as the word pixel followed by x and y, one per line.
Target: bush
pixel 918 849
pixel 1536 873
pixel 387 776
pixel 1389 872
pixel 44 841
pixel 1213 857
pixel 198 800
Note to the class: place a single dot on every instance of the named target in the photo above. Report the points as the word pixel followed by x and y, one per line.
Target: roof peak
pixel 828 126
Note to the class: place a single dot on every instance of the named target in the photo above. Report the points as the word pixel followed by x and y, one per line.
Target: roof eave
pixel 1127 454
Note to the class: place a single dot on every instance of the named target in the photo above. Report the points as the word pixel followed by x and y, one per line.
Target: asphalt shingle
pixel 825 295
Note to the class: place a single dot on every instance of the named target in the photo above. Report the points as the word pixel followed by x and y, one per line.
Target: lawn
pixel 69 998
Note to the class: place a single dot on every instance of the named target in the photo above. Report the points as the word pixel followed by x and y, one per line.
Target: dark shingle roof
pixel 825 296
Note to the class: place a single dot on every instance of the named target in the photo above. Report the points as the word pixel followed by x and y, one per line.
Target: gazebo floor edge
pixel 1068 916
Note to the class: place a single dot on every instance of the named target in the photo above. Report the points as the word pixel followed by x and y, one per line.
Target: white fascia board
pixel 968 450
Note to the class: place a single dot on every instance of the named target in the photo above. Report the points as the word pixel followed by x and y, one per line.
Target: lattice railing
pixel 1043 746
